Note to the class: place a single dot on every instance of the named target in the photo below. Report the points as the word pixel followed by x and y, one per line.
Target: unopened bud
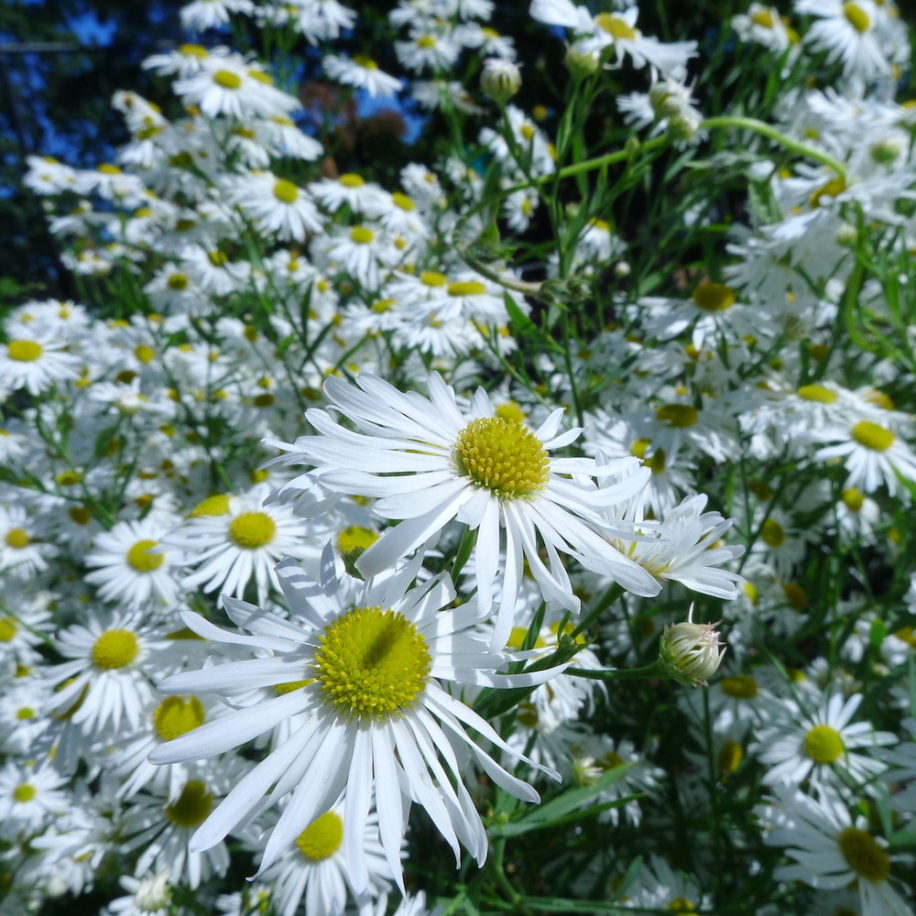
pixel 691 652
pixel 500 79
pixel 582 63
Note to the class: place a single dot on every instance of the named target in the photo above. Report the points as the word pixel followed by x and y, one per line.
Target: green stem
pixel 777 136
pixel 656 669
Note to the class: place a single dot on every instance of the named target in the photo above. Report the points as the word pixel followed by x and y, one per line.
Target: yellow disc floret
pixel 24 351
pixel 615 26
pixel 371 663
pixel 192 806
pixel 141 560
pixel 115 649
pixel 740 687
pixel 818 393
pixel 252 530
pixel 361 235
pixel 772 533
pixel 824 744
pixel 322 838
pixel 285 191
pixel 176 715
pixel 218 504
pixel 502 455
pixel 17 538
pixel 356 538
pixel 857 17
pixel 352 180
pixel 227 79
pixel 872 436
pixel 864 855
pixel 467 288
pixel 713 297
pixel 681 416
pixel 24 792
pixel 9 627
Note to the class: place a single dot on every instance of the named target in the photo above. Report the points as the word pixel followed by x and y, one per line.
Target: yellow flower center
pixel 517 639
pixel 773 533
pixel 9 627
pixel 352 180
pixel 872 436
pixel 830 188
pixel 192 806
pixel 144 353
pixel 24 351
pixel 729 758
pixel 796 596
pixel 856 17
pixel 502 455
pixel 212 505
pixel 426 41
pixel 510 411
pixel 433 278
pixel 683 906
pixel 740 686
pixel 177 282
pixel 361 235
pixel 217 258
pixel 468 288
pixel 817 393
pixel 356 538
pixel 403 202
pixel 824 744
pixel 24 792
pixel 367 63
pixel 176 715
pixel 681 416
pixel 115 649
pixel 24 713
pixel 853 499
pixel 713 297
pixel 227 79
pixel 371 663
pixel 285 191
pixel 141 560
pixel 865 857
pixel 251 530
pixel 322 838
pixel 17 538
pixel 615 26
pixel 763 17
pixel 198 51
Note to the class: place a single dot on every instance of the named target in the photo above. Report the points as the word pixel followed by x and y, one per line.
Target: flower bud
pixel 691 652
pixel 500 79
pixel 582 63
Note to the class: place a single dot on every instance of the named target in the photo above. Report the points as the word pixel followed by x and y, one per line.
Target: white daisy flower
pixel 277 206
pixel 29 798
pixel 818 744
pixel 366 661
pixel 234 540
pixel 149 896
pixel 109 677
pixel 427 463
pixel 36 364
pixel 201 15
pixel 23 550
pixel 363 73
pixel 832 849
pixel 132 566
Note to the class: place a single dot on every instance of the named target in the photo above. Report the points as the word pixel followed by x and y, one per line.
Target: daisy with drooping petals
pixel 363 665
pixel 427 462
pixel 132 566
pixel 362 73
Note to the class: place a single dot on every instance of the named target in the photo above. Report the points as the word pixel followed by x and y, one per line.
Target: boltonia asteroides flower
pixel 428 462
pixel 363 665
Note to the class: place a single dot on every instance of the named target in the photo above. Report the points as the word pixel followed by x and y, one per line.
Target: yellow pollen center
pixel 367 63
pixel 227 79
pixel 25 792
pixel 615 26
pixel 322 838
pixel 17 538
pixel 371 663
pixel 9 627
pixel 853 499
pixel 285 191
pixel 356 538
pixel 502 455
pixel 681 416
pixel 796 596
pixel 872 436
pixel 176 715
pixel 856 17
pixel 683 906
pixel 713 297
pixel 24 713
pixel 817 393
pixel 81 515
pixel 251 530
pixel 773 533
pixel 865 857
pixel 527 131
pixel 468 288
pixel 192 806
pixel 830 188
pixel 115 649
pixel 764 18
pixel 433 278
pixel 403 202
pixel 740 687
pixel 510 411
pixel 198 51
pixel 24 351
pixel 177 282
pixel 144 353
pixel 824 744
pixel 426 41
pixel 217 258
pixel 141 560
pixel 212 505
pixel 352 180
pixel 729 758
pixel 361 235
pixel 517 639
